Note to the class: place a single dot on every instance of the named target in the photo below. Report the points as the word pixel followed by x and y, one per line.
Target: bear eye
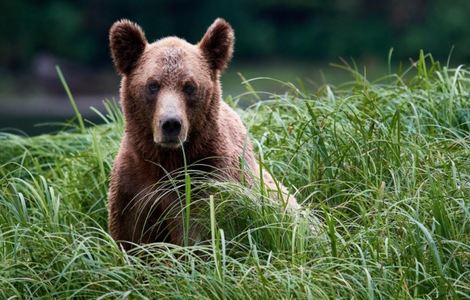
pixel 153 87
pixel 189 89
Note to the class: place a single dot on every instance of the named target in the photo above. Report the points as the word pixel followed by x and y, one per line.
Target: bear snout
pixel 170 131
pixel 169 122
pixel 170 126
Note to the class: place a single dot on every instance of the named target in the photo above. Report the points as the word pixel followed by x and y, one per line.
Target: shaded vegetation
pixel 301 29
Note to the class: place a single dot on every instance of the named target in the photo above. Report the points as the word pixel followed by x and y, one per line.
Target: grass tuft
pixel 381 169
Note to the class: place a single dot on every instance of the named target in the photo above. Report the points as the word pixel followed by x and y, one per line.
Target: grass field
pixel 384 166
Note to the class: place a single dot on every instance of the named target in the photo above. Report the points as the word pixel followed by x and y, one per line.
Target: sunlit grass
pixel 384 166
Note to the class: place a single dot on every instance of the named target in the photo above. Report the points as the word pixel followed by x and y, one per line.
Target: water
pixel 39 124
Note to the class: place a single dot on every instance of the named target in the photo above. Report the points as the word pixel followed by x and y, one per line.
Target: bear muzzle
pixel 170 121
pixel 171 131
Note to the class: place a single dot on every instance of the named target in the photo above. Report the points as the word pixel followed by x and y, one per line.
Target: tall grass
pixel 384 165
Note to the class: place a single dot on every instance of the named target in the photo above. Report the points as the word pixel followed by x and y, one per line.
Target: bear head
pixel 170 89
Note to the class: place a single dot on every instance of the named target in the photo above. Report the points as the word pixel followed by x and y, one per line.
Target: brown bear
pixel 171 98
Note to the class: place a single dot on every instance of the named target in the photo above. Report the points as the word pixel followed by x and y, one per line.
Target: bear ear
pixel 217 44
pixel 127 42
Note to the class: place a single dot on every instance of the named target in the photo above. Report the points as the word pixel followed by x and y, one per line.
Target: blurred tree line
pixel 293 29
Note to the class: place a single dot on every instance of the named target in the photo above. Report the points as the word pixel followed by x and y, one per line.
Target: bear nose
pixel 171 127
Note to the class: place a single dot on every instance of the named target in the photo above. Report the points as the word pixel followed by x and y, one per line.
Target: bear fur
pixel 171 75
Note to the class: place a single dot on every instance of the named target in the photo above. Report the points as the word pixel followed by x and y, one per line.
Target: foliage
pixel 385 166
pixel 299 29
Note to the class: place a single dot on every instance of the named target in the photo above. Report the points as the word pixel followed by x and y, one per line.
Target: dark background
pixel 282 39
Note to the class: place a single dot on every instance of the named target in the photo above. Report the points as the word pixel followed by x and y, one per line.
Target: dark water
pixel 36 125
